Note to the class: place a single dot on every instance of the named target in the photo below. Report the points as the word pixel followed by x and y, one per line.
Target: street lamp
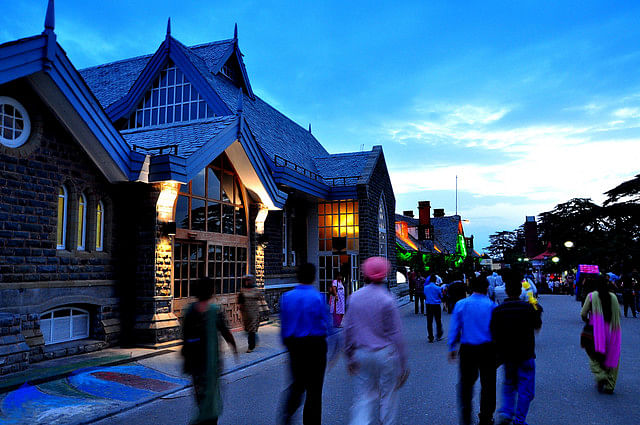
pixel 568 244
pixel 555 259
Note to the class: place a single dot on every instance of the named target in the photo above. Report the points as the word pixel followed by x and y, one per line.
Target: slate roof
pixel 445 232
pixel 275 133
pixel 411 221
pixel 350 164
pixel 188 136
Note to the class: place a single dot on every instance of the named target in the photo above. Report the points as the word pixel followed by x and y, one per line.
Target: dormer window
pixel 172 98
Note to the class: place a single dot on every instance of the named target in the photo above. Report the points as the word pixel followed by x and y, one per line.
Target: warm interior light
pixel 260 219
pixel 166 200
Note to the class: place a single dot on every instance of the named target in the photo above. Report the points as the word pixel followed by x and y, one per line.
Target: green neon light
pixel 461 247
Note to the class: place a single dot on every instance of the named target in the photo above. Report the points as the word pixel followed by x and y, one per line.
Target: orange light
pixel 168 195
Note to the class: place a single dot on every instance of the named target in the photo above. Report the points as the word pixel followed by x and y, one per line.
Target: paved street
pixel 565 389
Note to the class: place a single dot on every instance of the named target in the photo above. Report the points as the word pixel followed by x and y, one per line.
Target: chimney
pixel 438 212
pixel 424 214
pixel 408 213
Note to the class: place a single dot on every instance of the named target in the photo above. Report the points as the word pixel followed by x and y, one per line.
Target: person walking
pixel 470 326
pixel 249 303
pixel 337 300
pixel 628 295
pixel 456 291
pixel 305 322
pixel 494 280
pixel 419 293
pixel 412 284
pixel 433 301
pixel 202 361
pixel 375 347
pixel 513 327
pixel 602 311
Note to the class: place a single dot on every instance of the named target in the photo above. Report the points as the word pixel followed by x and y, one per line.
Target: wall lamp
pixel 169 228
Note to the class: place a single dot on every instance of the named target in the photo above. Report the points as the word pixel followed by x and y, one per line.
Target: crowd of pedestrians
pixel 494 320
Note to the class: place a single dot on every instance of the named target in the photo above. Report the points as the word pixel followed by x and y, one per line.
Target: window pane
pixel 182 212
pixel 213 185
pixel 161 115
pixel 202 109
pixel 197 184
pixel 194 111
pixel 227 187
pixel 197 214
pixel 227 219
pixel 213 217
pixel 241 222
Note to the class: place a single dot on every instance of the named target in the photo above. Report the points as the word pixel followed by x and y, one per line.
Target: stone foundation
pixel 14 351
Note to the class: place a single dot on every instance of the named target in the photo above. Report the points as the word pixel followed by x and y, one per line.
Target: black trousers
pixel 434 311
pixel 419 301
pixel 308 360
pixel 251 339
pixel 629 303
pixel 477 360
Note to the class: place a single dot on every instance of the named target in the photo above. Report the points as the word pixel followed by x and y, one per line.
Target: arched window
pixel 64 324
pixel 382 228
pixel 62 217
pixel 82 221
pixel 100 226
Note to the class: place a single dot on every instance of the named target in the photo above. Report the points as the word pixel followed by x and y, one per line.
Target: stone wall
pixel 14 351
pixel 369 199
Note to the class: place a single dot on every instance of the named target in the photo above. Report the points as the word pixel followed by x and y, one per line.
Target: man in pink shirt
pixel 375 347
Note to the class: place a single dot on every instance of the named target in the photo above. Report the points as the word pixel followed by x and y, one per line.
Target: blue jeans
pixel 520 381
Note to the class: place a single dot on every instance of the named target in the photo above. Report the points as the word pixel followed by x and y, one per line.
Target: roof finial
pixel 239 110
pixel 50 18
pixel 309 127
pixel 169 26
pixel 235 32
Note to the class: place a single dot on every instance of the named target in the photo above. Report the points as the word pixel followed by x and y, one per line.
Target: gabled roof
pixel 275 133
pixel 445 232
pixel 187 136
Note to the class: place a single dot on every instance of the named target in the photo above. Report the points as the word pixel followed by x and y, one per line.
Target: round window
pixel 14 123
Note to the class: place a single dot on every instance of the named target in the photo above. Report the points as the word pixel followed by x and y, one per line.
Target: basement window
pixel 64 324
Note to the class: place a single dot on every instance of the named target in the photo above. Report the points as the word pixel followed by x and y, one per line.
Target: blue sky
pixel 529 103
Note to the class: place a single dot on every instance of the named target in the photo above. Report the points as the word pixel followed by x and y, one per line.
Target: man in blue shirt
pixel 433 301
pixel 304 318
pixel 470 325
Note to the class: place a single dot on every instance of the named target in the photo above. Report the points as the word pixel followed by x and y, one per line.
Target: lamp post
pixel 568 244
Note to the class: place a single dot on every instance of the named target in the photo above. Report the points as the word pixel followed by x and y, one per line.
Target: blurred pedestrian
pixel 305 323
pixel 470 325
pixel 628 295
pixel 337 300
pixel 412 284
pixel 433 299
pixel 419 293
pixel 456 291
pixel 602 312
pixel 375 347
pixel 202 361
pixel 513 326
pixel 249 303
pixel 494 280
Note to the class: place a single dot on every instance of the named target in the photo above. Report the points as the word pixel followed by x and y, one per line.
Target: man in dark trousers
pixel 433 304
pixel 305 322
pixel 513 327
pixel 419 293
pixel 470 325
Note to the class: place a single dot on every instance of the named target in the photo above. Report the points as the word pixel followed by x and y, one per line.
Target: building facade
pixel 122 184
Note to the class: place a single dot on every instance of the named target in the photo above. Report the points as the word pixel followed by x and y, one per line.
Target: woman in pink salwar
pixel 602 311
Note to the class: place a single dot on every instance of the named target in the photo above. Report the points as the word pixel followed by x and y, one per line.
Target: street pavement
pixel 565 390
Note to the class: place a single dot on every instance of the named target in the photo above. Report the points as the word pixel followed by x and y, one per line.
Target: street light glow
pixel 555 259
pixel 568 244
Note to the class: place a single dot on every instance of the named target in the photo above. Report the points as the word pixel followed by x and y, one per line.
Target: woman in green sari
pixel 602 311
pixel 202 360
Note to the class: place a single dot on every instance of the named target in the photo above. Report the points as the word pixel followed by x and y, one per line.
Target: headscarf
pixel 375 269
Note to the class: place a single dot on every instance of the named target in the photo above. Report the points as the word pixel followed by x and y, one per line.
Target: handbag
pixel 587 342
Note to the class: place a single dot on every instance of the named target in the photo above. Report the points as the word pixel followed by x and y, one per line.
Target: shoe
pixel 430 341
pixel 249 350
pixel 439 338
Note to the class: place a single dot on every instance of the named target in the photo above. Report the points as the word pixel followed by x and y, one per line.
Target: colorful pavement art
pixel 85 394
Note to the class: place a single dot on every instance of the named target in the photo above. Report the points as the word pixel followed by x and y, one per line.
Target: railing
pixel 157 150
pixel 331 181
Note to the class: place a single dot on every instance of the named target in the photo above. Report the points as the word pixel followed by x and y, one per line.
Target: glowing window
pixel 61 236
pixel 382 228
pixel 100 227
pixel 338 219
pixel 82 222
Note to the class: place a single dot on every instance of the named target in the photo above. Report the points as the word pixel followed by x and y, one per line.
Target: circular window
pixel 14 123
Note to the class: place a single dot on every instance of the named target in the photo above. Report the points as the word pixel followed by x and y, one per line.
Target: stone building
pixel 122 183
